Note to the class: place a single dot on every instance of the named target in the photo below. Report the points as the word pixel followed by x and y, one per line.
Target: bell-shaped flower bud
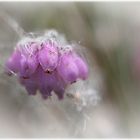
pixel 67 68
pixel 28 61
pixel 48 56
pixel 82 67
pixel 28 65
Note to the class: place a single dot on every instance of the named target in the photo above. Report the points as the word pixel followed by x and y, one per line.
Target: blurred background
pixel 110 35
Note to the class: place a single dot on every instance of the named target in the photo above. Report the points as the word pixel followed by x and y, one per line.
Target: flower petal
pixel 30 85
pixel 13 63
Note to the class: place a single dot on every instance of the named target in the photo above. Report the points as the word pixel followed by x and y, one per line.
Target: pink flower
pixel 46 66
pixel 48 56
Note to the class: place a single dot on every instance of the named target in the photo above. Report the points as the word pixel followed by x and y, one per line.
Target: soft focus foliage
pixel 109 34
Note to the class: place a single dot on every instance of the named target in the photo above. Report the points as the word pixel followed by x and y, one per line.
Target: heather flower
pixel 46 65
pixel 28 61
pixel 48 56
pixel 72 67
pixel 82 67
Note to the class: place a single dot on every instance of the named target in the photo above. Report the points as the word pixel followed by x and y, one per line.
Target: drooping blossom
pixel 44 64
pixel 48 56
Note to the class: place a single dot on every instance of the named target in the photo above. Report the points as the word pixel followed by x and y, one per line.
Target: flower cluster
pixel 44 64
